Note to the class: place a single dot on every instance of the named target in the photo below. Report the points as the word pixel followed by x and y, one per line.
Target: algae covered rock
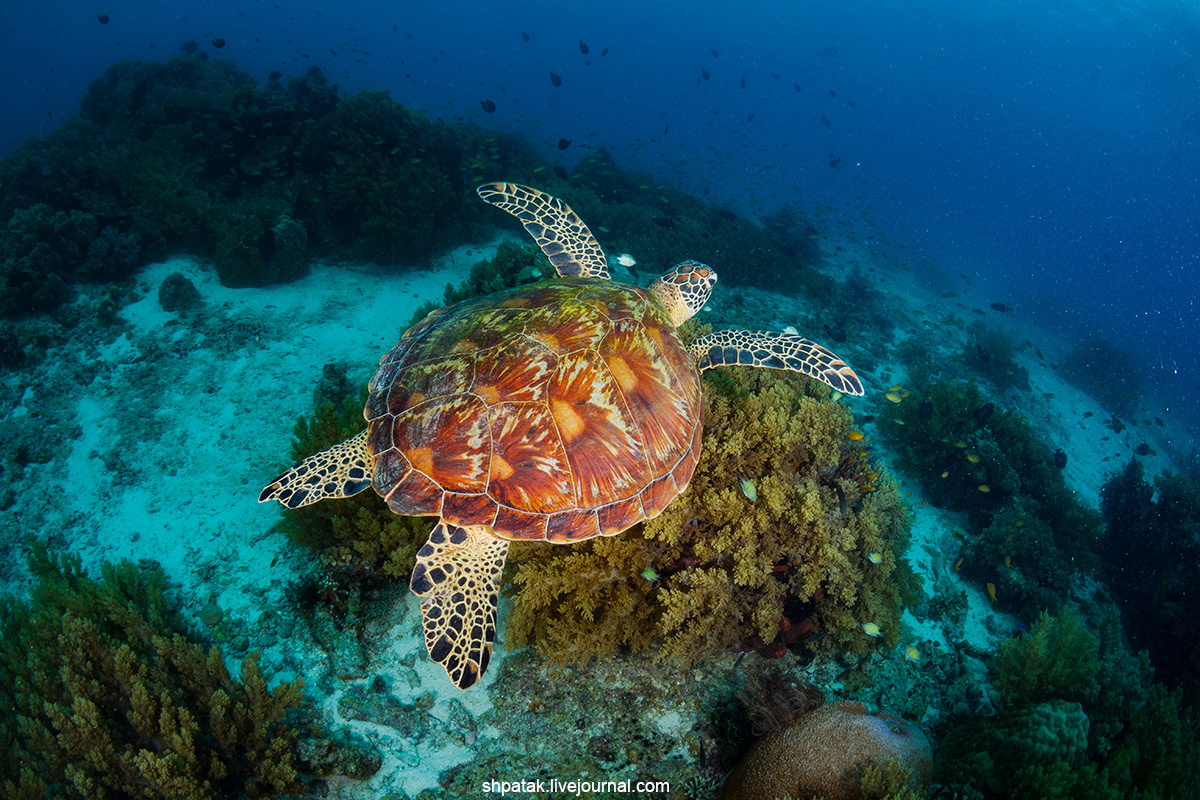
pixel 827 752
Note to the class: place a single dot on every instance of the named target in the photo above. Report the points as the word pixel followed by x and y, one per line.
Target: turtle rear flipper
pixel 458 575
pixel 341 471
pixel 774 351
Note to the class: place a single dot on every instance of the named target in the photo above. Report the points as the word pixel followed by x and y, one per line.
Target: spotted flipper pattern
pixel 774 351
pixel 558 230
pixel 341 471
pixel 458 576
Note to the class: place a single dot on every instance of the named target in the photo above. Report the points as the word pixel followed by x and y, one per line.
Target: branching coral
pixel 105 696
pixel 717 570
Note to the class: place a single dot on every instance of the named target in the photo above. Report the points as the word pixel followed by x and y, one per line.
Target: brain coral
pixel 826 753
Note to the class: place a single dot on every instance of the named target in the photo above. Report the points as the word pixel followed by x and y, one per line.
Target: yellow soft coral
pixel 715 569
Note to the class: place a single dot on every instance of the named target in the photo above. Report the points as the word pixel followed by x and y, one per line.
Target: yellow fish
pixel 946 474
pixel 871 629
pixel 875 558
pixel 912 653
pixel 896 388
pixel 960 443
pixel 983 487
pixel 974 459
pixel 895 398
pixel 991 587
pixel 958 565
pixel 854 436
pixel 835 395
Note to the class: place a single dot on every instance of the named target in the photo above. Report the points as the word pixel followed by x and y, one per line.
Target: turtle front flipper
pixel 341 471
pixel 558 230
pixel 458 574
pixel 774 351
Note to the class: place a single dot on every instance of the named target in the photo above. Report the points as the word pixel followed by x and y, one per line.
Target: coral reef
pixel 1028 534
pixel 990 354
pixel 988 753
pixel 1150 553
pixel 827 752
pixel 717 570
pixel 106 696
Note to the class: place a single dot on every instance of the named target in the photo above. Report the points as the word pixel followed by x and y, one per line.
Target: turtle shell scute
pixel 559 411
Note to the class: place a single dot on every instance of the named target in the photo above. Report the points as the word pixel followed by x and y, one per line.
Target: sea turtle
pixel 557 411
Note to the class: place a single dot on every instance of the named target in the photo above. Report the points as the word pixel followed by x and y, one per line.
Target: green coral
pixel 1152 552
pixel 716 569
pixel 988 753
pixel 1056 658
pixel 1029 533
pixel 106 696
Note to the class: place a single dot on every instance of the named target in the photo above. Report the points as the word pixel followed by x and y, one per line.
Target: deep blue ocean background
pixel 1045 150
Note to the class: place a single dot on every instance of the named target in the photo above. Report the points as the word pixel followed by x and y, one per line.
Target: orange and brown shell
pixel 559 411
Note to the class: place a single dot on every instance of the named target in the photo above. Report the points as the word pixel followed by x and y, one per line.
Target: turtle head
pixel 684 289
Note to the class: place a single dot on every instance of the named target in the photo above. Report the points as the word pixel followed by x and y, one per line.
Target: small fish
pixel 871 629
pixel 983 487
pixel 912 653
pixel 748 489
pixel 854 436
pixel 1143 449
pixel 555 80
pixel 1060 459
pixel 835 395
pixel 704 74
pixel 1008 561
pixel 604 52
pixel 791 329
pixel 999 307
pixel 797 87
pixel 921 505
pixel 563 144
pixel 974 459
pixel 893 397
pixel 960 444
pixel 875 558
pixel 102 19
pixel 896 387
pixel 946 474
pixel 991 589
pixel 274 76
pixel 488 106
pixel 583 48
pixel 525 36
pixel 835 332
pixel 626 260
pixel 218 43
pixel 899 421
pixel 958 565
pixel 649 574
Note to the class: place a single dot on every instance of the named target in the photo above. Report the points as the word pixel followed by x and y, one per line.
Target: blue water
pixel 1048 150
